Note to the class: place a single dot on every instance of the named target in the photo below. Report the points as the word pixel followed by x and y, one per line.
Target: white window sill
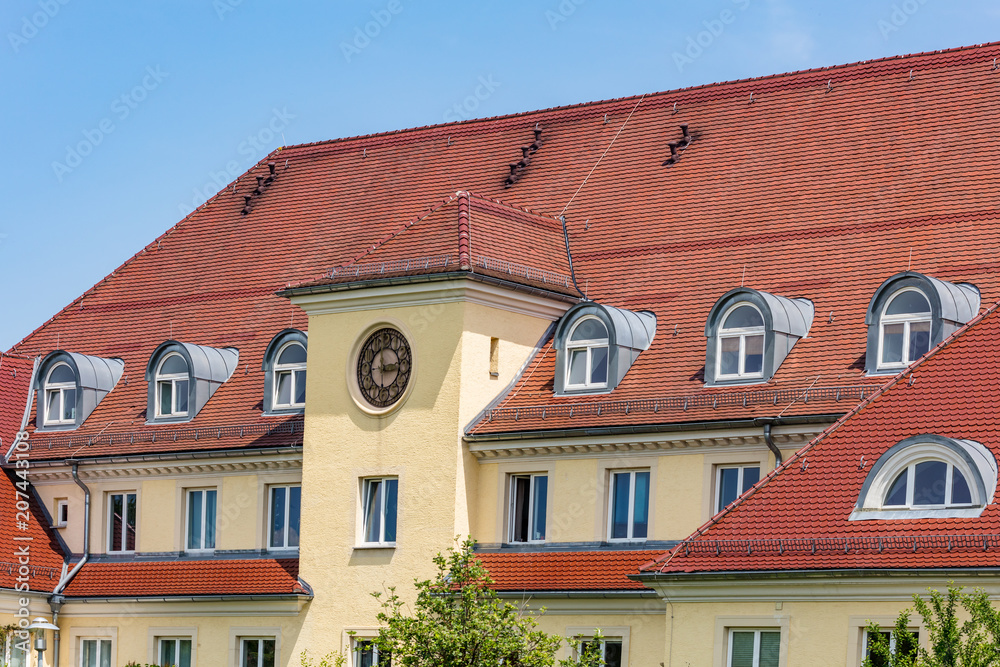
pixel 917 513
pixel 628 540
pixel 375 545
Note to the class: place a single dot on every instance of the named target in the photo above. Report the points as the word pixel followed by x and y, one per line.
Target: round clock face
pixel 384 366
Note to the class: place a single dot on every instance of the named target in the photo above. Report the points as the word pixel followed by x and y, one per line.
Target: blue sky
pixel 120 117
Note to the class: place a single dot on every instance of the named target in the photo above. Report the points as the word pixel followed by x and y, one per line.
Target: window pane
pixel 877 659
pixel 908 302
pixel 599 365
pixel 365 652
pixel 751 475
pixel 619 511
pixel 928 483
pixel 520 489
pixel 590 329
pixel 892 344
pixel 166 390
pixel 729 356
pixel 62 373
pixel 89 653
pixel 612 653
pixel 105 653
pixel 168 652
pixel 278 517
pixel 268 653
pixel 578 367
pixel 744 317
pixel 292 354
pixel 770 642
pixel 52 405
pixel 173 365
pixel 541 497
pixel 896 497
pixel 373 505
pixel 69 404
pixel 184 654
pixel 960 493
pixel 194 519
pixel 300 387
pixel 920 339
pixel 251 653
pixel 130 521
pixel 181 387
pixel 391 504
pixel 116 522
pixel 755 354
pixel 729 488
pixel 640 516
pixel 210 519
pixel 283 395
pixel 742 649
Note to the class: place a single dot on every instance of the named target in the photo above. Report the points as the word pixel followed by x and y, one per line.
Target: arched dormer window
pixel 750 333
pixel 596 345
pixel 183 376
pixel 588 355
pixel 929 476
pixel 284 369
pixel 69 386
pixel 909 314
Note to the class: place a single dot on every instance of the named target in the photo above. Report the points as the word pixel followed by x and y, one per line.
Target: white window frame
pixel 291 369
pixel 60 521
pixel 756 644
pixel 910 469
pixel 270 514
pixel 100 642
pixel 204 519
pixel 631 504
pixel 589 346
pixel 906 319
pixel 58 391
pixel 892 639
pixel 172 379
pixel 356 643
pixel 177 648
pixel 739 481
pixel 532 497
pixel 365 484
pixel 110 521
pixel 260 639
pixel 603 643
pixel 742 333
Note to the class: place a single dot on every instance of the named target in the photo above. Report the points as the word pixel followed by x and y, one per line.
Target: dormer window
pixel 741 343
pixel 60 396
pixel 285 373
pixel 588 355
pixel 172 387
pixel 69 387
pixel 596 345
pixel 929 476
pixel 750 333
pixel 909 314
pixel 182 377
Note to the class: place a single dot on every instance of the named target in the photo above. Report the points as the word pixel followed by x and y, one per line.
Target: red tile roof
pixel 187 578
pixel 805 191
pixel 566 570
pixel 15 379
pixel 797 517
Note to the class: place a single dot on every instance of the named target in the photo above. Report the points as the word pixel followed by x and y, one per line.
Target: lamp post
pixel 39 626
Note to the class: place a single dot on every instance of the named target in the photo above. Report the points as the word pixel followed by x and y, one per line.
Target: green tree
pixel 458 620
pixel 954 642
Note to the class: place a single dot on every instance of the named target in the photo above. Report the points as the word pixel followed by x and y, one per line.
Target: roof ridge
pixel 662 562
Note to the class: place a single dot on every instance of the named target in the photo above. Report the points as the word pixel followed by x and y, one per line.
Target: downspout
pixel 768 422
pixel 86 532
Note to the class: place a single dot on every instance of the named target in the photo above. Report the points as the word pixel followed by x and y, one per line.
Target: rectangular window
pixel 732 482
pixel 754 648
pixel 528 502
pixel 201 519
pixel 366 654
pixel 18 656
pixel 257 652
pixel 629 505
pixel 174 652
pixel 121 522
pixel 286 506
pixel 380 509
pixel 908 646
pixel 62 513
pixel 95 653
pixel 611 650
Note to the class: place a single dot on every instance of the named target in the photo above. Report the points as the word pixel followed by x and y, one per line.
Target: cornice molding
pixel 429 293
pixel 181 468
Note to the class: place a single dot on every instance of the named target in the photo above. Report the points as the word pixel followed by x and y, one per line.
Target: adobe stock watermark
pixel 252 148
pixel 30 25
pixel 223 7
pixel 704 39
pixel 121 107
pixel 467 107
pixel 562 13
pixel 363 35
pixel 900 14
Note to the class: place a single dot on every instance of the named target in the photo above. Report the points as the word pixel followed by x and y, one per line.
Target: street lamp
pixel 39 626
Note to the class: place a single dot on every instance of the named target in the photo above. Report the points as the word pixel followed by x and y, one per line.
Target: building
pixel 573 334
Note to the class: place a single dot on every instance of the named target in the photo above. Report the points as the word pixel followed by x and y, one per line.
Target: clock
pixel 384 367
